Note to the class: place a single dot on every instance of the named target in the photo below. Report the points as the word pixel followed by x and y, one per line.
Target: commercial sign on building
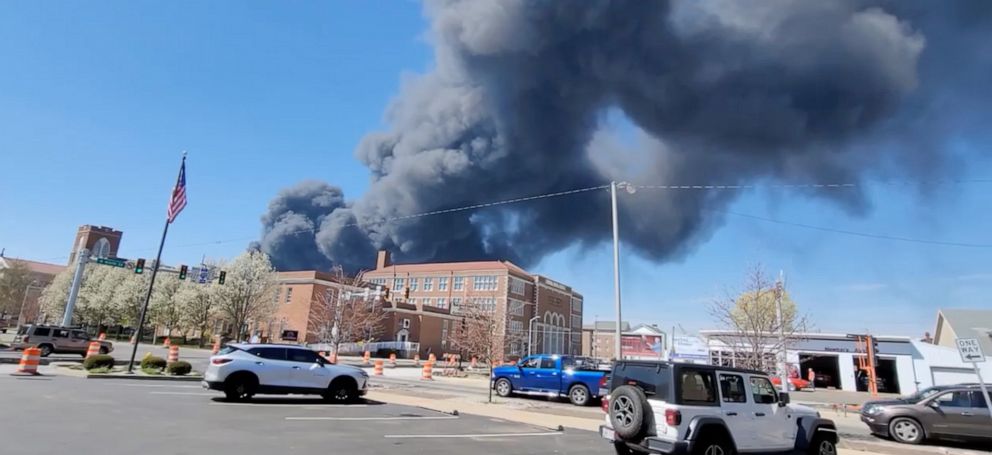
pixel 640 346
pixel 690 348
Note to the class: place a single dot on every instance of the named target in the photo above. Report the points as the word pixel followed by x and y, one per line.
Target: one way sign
pixel 970 350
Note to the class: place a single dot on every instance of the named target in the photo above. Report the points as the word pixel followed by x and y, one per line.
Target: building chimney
pixel 382 261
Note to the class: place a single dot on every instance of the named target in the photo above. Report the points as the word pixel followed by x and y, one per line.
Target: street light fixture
pixel 618 352
pixel 530 334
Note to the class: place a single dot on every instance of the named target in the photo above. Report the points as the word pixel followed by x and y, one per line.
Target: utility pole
pixel 617 351
pixel 779 290
pixel 82 257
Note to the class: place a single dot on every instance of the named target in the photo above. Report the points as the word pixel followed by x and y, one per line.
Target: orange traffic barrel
pixel 428 372
pixel 103 336
pixel 29 361
pixel 165 342
pixel 377 370
pixel 173 353
pixel 216 347
pixel 366 357
pixel 392 360
pixel 416 359
pixel 93 349
pixel 432 358
pixel 334 357
pixel 474 361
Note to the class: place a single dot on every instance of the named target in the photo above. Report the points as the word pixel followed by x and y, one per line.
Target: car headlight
pixel 872 410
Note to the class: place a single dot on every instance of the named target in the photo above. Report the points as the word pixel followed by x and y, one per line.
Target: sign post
pixel 971 351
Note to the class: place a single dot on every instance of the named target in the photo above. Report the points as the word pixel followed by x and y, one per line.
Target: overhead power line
pixel 832 186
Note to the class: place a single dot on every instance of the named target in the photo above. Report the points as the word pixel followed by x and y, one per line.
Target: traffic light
pixel 182 272
pixel 139 266
pixel 406 293
pixel 385 294
pixel 222 277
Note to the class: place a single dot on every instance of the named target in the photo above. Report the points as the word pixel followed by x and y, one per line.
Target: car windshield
pixel 922 394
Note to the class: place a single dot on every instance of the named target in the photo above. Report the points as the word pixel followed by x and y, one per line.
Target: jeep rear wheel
pixel 718 446
pixel 46 350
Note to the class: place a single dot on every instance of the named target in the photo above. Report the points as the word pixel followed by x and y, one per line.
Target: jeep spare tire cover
pixel 628 407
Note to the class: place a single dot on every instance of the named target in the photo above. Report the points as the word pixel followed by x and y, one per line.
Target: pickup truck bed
pixel 551 375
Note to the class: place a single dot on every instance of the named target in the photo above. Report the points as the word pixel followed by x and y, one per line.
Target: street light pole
pixel 618 350
pixel 779 290
pixel 530 334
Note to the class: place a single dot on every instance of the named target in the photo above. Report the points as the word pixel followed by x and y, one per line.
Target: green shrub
pixel 98 361
pixel 153 363
pixel 179 368
pixel 151 371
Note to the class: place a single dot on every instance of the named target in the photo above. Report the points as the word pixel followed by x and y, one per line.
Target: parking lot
pixel 60 413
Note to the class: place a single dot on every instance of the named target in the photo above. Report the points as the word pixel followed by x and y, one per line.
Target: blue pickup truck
pixel 578 378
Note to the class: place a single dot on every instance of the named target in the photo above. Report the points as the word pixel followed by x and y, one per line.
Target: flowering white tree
pixel 249 291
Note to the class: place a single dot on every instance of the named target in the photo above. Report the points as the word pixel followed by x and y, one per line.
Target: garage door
pixel 945 376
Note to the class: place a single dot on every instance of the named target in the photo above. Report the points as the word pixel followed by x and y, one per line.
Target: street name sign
pixel 970 350
pixel 111 262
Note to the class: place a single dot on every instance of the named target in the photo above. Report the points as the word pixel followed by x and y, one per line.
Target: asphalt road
pixel 72 415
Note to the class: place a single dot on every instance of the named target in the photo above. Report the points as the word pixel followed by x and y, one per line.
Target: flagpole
pixel 151 284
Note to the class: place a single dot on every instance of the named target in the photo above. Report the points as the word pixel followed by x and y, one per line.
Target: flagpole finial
pixel 184 154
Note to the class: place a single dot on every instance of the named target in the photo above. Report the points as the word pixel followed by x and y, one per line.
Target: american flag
pixel 178 201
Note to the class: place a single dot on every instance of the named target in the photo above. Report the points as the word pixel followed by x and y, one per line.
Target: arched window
pixel 101 248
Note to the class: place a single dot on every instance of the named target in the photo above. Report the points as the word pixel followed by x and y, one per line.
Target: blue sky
pixel 97 101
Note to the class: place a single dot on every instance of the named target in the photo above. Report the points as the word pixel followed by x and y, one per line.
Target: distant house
pixel 958 323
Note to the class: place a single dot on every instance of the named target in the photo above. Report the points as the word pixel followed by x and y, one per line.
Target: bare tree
pixel 483 332
pixel 750 320
pixel 346 313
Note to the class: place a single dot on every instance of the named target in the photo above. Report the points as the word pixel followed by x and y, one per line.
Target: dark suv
pixel 676 408
pixel 944 412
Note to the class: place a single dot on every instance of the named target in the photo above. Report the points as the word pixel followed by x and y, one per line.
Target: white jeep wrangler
pixel 676 408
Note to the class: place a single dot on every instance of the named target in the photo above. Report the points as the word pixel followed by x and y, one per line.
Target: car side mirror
pixel 783 399
pixel 934 404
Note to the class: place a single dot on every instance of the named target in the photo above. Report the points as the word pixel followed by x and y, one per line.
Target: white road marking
pixel 163 385
pixel 480 435
pixel 197 394
pixel 374 418
pixel 302 405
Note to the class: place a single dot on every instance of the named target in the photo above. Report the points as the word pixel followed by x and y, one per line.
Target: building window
pixel 487 304
pixel 101 248
pixel 278 293
pixel 576 305
pixel 459 283
pixel 442 302
pixel 456 305
pixel 442 283
pixel 412 301
pixel 516 308
pixel 427 302
pixel 413 284
pixel 289 294
pixel 576 321
pixel 444 332
pixel 484 283
pixel 406 323
pixel 428 284
pixel 398 284
pixel 379 281
pixel 517 286
pixel 517 328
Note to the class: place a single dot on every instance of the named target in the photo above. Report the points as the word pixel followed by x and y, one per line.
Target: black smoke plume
pixel 521 94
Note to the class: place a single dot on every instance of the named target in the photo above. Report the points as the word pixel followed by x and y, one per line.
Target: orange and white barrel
pixel 103 336
pixel 29 361
pixel 428 372
pixel 216 347
pixel 392 360
pixel 334 357
pixel 173 353
pixel 366 357
pixel 93 349
pixel 432 358
pixel 166 342
pixel 377 370
pixel 416 359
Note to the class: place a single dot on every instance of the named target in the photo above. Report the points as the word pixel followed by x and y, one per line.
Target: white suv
pixel 242 370
pixel 675 408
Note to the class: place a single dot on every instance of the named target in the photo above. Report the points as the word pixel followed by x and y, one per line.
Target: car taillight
pixel 606 403
pixel 219 361
pixel 25 340
pixel 673 417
